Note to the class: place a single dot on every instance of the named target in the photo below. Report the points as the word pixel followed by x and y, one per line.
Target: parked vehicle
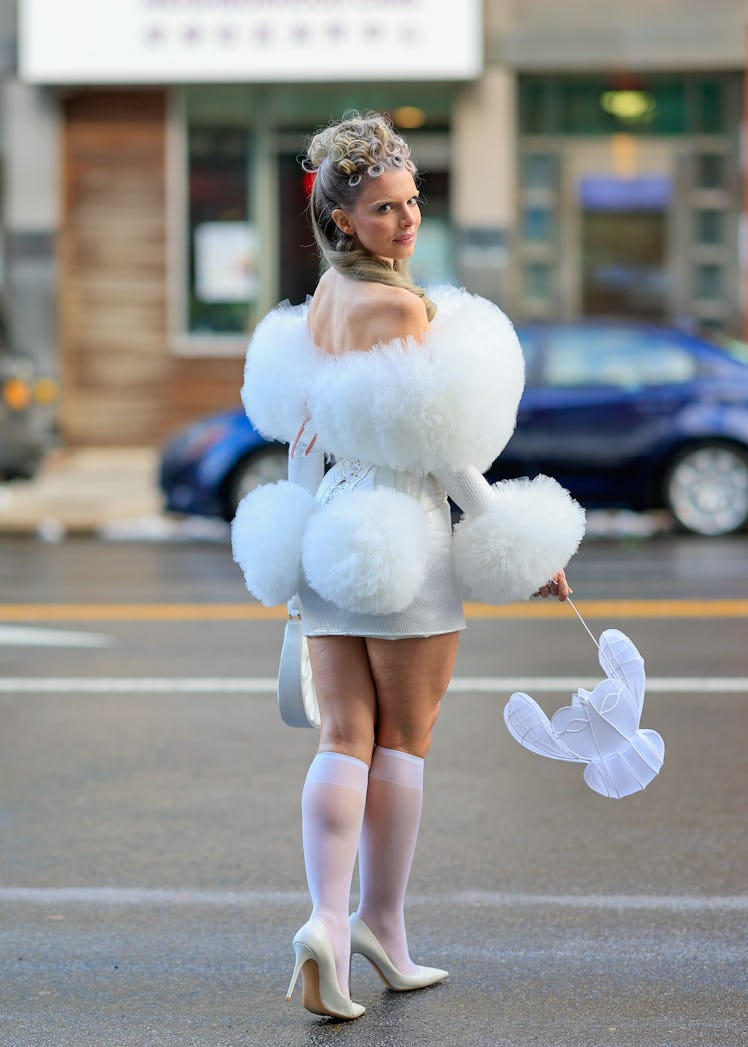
pixel 625 415
pixel 25 404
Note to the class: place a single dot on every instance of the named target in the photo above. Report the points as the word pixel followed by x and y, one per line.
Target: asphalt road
pixel 150 869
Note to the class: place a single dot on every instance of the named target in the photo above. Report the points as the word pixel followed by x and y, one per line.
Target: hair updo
pixel 343 156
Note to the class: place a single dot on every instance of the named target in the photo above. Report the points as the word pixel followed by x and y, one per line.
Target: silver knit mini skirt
pixel 438 606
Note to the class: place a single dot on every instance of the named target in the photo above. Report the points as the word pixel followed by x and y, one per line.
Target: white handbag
pixel 297 699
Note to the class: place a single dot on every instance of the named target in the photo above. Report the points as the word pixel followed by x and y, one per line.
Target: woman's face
pixel 386 216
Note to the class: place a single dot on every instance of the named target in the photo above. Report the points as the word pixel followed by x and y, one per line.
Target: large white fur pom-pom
pixel 447 403
pixel 366 551
pixel 531 531
pixel 280 364
pixel 266 538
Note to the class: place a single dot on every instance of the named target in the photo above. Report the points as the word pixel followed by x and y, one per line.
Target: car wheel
pixel 265 466
pixel 706 489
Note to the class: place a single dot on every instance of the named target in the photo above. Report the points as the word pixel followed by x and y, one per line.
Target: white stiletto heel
pixel 364 942
pixel 315 961
pixel 302 955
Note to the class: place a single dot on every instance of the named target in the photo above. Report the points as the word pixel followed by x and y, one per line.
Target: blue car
pixel 625 415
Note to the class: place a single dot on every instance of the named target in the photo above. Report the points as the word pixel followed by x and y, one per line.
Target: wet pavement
pixel 151 876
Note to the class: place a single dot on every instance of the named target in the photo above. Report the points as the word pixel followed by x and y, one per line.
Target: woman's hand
pixel 557 586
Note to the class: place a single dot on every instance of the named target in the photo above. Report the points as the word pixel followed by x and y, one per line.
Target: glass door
pixel 623 264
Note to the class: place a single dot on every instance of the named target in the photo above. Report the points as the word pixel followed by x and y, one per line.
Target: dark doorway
pixel 624 263
pixel 299 264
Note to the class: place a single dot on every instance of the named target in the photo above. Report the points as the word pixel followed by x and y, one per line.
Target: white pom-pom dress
pixel 407 423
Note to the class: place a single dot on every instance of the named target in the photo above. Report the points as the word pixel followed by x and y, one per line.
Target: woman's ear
pixel 343 222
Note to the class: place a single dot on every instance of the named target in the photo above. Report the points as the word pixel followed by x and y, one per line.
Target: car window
pixel 737 349
pixel 528 339
pixel 621 357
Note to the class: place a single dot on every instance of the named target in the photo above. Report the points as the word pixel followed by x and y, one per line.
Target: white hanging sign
pixel 248 41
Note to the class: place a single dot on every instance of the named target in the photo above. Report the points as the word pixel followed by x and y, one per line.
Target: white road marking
pixel 655 684
pixel 160 896
pixel 24 636
pixel 137 685
pixel 267 684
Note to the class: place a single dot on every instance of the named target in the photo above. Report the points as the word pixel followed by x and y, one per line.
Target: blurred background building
pixel 578 159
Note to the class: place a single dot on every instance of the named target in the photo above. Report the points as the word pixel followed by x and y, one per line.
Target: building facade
pixel 575 161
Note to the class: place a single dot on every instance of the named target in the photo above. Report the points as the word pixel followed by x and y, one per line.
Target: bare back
pixel 350 314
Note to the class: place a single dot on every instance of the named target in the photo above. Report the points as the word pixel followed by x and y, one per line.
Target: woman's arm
pixel 514 537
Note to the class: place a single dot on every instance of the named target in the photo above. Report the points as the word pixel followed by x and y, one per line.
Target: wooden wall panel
pixel 121 383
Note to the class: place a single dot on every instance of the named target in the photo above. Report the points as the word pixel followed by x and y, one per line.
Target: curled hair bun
pixel 359 145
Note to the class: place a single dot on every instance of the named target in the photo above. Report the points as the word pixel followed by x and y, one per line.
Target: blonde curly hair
pixel 342 157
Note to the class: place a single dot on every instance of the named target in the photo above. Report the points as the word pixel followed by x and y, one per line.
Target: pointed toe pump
pixel 315 960
pixel 364 943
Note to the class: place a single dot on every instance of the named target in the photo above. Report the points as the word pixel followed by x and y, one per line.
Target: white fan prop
pixel 600 727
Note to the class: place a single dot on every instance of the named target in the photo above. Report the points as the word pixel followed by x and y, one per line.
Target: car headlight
pixel 16 394
pixel 195 443
pixel 46 391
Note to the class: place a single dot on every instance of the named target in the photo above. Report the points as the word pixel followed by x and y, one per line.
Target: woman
pixel 414 398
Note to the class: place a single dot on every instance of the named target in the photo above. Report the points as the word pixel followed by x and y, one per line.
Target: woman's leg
pixel 411 675
pixel 335 789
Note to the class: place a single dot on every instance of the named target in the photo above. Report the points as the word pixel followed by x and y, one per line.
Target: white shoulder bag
pixel 297 699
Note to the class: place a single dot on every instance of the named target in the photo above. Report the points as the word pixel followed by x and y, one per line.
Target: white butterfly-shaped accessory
pixel 600 727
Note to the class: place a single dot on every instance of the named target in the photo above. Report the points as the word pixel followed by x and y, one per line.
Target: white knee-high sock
pixel 388 843
pixel 332 809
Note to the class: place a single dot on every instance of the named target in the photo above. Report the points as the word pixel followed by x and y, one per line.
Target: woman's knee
pixel 410 733
pixel 348 724
pixel 413 745
pixel 339 738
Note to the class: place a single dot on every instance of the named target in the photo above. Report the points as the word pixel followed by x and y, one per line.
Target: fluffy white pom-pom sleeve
pixel 531 530
pixel 280 366
pixel 266 539
pixel 366 551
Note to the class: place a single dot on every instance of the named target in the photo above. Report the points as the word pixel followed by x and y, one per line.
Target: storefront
pixel 631 197
pixel 239 196
pixel 177 217
pixel 183 213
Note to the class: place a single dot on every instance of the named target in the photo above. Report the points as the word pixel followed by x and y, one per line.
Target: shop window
pixel 537 225
pixel 299 263
pixel 709 226
pixel 710 171
pixel 539 171
pixel 713 325
pixel 581 109
pixel 708 280
pixel 636 105
pixel 534 108
pixel 222 244
pixel 537 280
pixel 434 259
pixel 711 107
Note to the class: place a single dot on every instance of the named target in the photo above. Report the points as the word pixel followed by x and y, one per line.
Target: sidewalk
pixel 83 491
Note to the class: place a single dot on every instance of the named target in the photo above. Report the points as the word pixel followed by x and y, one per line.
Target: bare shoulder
pixel 387 313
